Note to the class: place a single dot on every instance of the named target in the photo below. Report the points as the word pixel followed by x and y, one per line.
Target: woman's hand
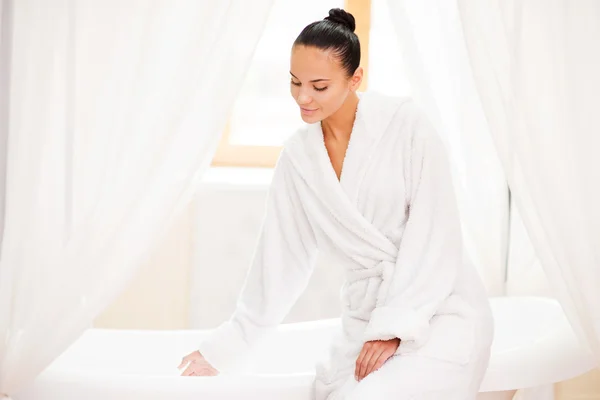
pixel 373 355
pixel 197 365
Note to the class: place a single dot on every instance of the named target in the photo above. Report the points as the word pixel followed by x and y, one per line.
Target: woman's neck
pixel 338 126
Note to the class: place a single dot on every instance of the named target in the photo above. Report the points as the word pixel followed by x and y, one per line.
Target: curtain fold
pixel 433 50
pixel 514 88
pixel 536 67
pixel 5 42
pixel 114 111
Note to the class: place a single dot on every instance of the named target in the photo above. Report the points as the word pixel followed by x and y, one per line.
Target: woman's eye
pixel 316 88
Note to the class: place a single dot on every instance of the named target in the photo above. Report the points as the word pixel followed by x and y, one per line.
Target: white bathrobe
pixel 391 222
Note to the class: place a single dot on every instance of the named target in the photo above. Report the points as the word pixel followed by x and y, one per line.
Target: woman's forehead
pixel 307 62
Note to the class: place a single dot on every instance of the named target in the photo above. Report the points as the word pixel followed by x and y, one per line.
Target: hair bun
pixel 342 17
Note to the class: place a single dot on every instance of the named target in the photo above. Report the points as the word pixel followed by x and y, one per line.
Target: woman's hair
pixel 335 32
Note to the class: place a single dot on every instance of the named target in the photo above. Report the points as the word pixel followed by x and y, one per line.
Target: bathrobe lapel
pixel 337 201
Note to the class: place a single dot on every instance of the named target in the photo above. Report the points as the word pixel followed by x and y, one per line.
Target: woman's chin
pixel 310 119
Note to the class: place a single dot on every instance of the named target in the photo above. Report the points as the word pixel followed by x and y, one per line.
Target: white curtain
pixel 522 75
pixel 536 64
pixel 436 62
pixel 114 110
pixel 4 73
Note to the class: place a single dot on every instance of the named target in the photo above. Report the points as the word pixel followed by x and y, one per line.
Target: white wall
pixel 158 298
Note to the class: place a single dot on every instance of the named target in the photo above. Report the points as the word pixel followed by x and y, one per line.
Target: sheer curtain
pixel 114 109
pixel 436 63
pixel 536 68
pixel 515 87
pixel 523 77
pixel 5 13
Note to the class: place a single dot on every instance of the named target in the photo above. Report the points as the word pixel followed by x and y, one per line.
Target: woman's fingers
pixel 359 361
pixel 363 364
pixel 195 356
pixel 376 354
pixel 383 357
pixel 184 361
pixel 197 366
pixel 189 370
pixel 369 349
pixel 373 355
pixel 195 369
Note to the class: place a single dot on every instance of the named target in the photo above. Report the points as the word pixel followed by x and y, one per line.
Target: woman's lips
pixel 308 111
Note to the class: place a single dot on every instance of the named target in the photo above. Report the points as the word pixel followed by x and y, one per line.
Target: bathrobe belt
pixel 366 288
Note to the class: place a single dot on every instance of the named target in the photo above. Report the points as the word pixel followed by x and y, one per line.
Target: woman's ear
pixel 356 79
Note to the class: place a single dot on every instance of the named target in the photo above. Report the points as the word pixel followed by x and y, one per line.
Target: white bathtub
pixel 128 365
pixel 534 346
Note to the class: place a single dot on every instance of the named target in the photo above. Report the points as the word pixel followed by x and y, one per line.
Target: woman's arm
pixel 281 267
pixel 430 252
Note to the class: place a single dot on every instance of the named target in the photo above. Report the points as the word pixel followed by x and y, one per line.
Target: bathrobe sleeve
pixel 282 265
pixel 430 253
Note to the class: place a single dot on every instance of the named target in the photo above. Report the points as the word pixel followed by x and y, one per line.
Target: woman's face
pixel 319 83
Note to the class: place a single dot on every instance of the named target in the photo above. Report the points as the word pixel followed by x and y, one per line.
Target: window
pixel 253 136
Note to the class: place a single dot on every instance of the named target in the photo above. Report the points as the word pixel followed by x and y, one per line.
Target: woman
pixel 367 181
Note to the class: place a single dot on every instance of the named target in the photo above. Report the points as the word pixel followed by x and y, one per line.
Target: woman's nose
pixel 303 98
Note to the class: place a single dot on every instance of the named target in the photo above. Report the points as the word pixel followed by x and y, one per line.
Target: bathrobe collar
pixel 308 154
